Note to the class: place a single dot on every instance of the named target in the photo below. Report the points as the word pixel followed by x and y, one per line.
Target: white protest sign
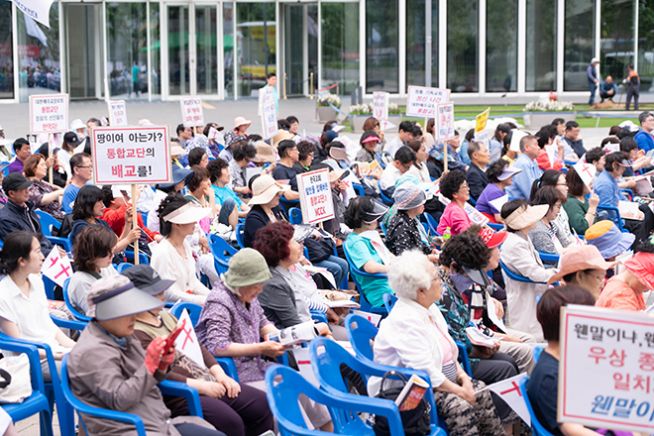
pixel 516 136
pixel 380 103
pixel 509 391
pixel 499 202
pixel 374 318
pixel 630 210
pixel 445 121
pixel 49 113
pixel 586 172
pixel 268 109
pixel 126 155
pixel 38 10
pixel 187 341
pixel 606 369
pixel 315 196
pixel 117 113
pixel 192 112
pixel 421 101
pixel 57 268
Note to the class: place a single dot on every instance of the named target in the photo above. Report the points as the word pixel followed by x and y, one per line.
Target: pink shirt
pixel 455 218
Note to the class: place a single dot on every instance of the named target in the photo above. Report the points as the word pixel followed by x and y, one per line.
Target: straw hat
pixel 241 121
pixel 265 153
pixel 580 258
pixel 264 189
pixel 524 216
pixel 280 136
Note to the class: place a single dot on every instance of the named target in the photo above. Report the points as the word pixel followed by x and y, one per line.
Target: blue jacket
pixel 645 140
pixel 14 217
pixel 521 187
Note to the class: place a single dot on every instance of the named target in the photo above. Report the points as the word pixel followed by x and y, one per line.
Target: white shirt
pixel 409 338
pixel 389 176
pixel 393 146
pixel 170 265
pixel 29 313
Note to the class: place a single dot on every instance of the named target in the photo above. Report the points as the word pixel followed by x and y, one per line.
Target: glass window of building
pixel 179 76
pixel 206 34
pixel 416 42
pixel 382 42
pixel 462 45
pixel 502 46
pixel 340 45
pixel 127 56
pixel 256 31
pixel 228 48
pixel 39 63
pixel 617 38
pixel 646 44
pixel 155 44
pixel 579 43
pixel 6 52
pixel 540 69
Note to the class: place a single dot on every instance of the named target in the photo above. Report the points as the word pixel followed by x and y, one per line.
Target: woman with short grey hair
pixel 425 344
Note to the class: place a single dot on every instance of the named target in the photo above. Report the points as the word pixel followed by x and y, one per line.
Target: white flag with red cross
pixel 187 341
pixel 509 391
pixel 56 267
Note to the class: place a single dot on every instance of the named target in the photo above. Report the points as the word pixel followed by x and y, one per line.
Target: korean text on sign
pixel 315 196
pixel 606 373
pixel 124 155
pixel 192 112
pixel 268 111
pixel 380 103
pixel 48 113
pixel 117 113
pixel 421 101
pixel 445 121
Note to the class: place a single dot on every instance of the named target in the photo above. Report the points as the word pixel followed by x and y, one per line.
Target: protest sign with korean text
pixel 380 103
pixel 422 101
pixel 606 369
pixel 124 155
pixel 445 121
pixel 315 196
pixel 268 111
pixel 117 112
pixel 48 113
pixel 192 112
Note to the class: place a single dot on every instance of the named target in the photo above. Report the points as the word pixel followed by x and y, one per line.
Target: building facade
pixel 163 50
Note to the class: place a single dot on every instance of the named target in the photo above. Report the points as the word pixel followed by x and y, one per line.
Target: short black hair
pixel 405 155
pixel 548 311
pixel 643 116
pixel 495 169
pixel 107 195
pixel 501 128
pixel 548 195
pixel 406 126
pixel 305 148
pixel 195 156
pixel 571 125
pixel 285 146
pixel 614 158
pixel 85 202
pixel 195 178
pixel 272 74
pixel 77 160
pixel 557 121
pixel 354 214
pixel 282 124
pixel 594 154
pixel 609 140
pixel 416 131
pixel 18 144
pixel 627 144
pixel 180 128
pixel 451 183
pixel 292 119
pixel 508 208
pixel 465 250
pixel 548 178
pixel 243 150
pixel 215 169
pixel 545 134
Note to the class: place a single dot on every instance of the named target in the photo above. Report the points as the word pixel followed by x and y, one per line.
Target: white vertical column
pixel 598 36
pixel 362 45
pixel 105 53
pixel 636 34
pixel 428 42
pixel 402 46
pixel 63 50
pixel 318 78
pixel 560 38
pixel 442 44
pixel 220 49
pixel 278 47
pixel 522 44
pixel 482 46
pixel 148 53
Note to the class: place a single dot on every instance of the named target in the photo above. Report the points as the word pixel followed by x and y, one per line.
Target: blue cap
pixel 179 175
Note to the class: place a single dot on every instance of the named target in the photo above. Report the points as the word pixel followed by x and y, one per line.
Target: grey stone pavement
pixel 14 118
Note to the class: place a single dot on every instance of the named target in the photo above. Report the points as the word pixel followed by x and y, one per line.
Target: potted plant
pixel 359 112
pixel 328 106
pixel 541 112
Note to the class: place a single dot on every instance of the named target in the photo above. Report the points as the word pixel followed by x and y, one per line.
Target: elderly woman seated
pixel 109 369
pixel 415 336
pixel 584 266
pixel 291 293
pixel 233 324
pixel 365 248
pixel 454 187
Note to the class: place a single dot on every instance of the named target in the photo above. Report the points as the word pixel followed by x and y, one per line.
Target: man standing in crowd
pixel 23 151
pixel 479 160
pixel 82 172
pixel 593 81
pixel 18 213
pixel 644 136
pixel 521 188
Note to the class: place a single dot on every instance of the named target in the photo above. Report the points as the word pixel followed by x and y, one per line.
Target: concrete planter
pixel 535 120
pixel 326 113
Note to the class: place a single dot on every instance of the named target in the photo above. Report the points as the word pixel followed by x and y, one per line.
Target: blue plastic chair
pixel 515 276
pixel 287 204
pixel 431 222
pixel 38 401
pixel 549 258
pixel 144 259
pixel 240 231
pixel 123 266
pixel 194 310
pixel 537 351
pixel 318 316
pixel 496 226
pixel 222 252
pixel 536 426
pixel 48 223
pixel 283 387
pixel 383 228
pixel 357 274
pixel 295 215
pixel 69 305
pixel 613 215
pixel 359 189
pixel 170 388
pixel 389 301
pixel 327 359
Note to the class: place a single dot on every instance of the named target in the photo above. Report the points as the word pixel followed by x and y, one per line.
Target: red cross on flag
pixel 57 268
pixel 187 341
pixel 586 171
pixel 509 391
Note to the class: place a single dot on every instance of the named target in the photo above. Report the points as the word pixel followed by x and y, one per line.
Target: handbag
pixel 16 384
pixel 416 422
